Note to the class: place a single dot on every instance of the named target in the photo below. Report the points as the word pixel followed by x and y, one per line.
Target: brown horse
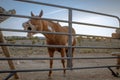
pixel 51 39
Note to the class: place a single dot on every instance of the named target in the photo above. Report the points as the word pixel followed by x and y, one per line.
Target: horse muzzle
pixel 30 35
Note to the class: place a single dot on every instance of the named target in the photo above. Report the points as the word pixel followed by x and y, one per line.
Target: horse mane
pixel 55 27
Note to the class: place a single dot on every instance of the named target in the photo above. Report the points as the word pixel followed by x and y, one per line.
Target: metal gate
pixel 70 22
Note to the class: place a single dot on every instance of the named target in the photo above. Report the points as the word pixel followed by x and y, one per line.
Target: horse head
pixel 33 24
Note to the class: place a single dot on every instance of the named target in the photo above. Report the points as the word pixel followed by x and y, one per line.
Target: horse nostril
pixel 29 28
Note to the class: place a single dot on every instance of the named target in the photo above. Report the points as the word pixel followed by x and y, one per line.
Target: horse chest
pixel 56 41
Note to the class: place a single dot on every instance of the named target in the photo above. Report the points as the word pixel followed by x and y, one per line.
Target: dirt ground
pixel 82 74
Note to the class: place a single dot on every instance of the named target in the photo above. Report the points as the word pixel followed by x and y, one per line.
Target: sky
pixel 111 7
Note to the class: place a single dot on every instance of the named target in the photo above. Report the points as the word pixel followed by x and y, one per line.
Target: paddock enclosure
pixel 77 59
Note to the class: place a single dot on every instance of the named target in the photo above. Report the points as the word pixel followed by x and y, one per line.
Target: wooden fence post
pixel 6 52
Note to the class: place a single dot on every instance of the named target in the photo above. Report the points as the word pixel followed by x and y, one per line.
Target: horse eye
pixel 29 28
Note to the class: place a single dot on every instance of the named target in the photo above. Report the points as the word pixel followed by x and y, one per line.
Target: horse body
pixel 51 39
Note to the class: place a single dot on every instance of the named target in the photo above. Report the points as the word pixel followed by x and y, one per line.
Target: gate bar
pixel 57 33
pixel 82 23
pixel 64 7
pixel 113 73
pixel 69 54
pixel 57 46
pixel 56 69
pixel 33 58
pixel 10 75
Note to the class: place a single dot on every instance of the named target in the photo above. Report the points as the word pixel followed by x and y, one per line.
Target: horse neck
pixel 50 26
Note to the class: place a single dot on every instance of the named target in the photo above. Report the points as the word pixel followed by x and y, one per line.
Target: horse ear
pixel 41 13
pixel 32 14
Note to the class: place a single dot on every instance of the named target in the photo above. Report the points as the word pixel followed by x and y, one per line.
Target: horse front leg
pixel 62 60
pixel 51 55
